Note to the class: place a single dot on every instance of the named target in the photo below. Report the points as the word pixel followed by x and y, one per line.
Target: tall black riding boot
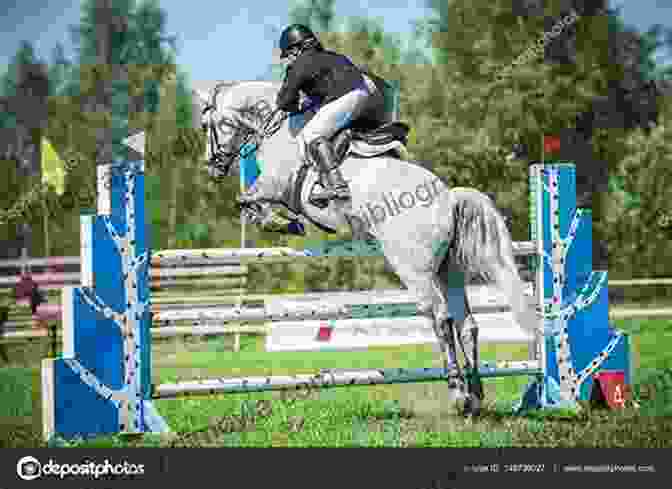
pixel 336 187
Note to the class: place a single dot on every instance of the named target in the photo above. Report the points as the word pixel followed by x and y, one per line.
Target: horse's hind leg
pixel 464 385
pixel 468 339
pixel 433 304
pixel 449 283
pixel 446 333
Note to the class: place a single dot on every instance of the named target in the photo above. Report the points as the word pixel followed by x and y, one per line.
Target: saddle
pixel 379 136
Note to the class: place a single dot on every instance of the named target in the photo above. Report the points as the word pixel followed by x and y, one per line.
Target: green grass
pixel 20 423
pixel 391 416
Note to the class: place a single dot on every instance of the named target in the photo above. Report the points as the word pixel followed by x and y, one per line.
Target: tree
pixel 320 15
pixel 25 56
pixel 25 86
pixel 594 95
pixel 639 214
pixel 60 73
pixel 122 60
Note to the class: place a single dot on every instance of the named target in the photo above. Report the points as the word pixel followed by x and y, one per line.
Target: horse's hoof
pixel 477 390
pixel 457 397
pixel 472 406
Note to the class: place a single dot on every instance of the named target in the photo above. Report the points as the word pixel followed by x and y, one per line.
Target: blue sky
pixel 233 39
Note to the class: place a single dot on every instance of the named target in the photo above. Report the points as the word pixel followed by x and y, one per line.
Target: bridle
pixel 252 135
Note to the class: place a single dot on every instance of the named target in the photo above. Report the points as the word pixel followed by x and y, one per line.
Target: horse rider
pixel 341 90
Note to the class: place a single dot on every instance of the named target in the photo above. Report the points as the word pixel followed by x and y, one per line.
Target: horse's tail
pixel 481 245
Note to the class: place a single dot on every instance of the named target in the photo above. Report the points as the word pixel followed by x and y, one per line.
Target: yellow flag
pixel 412 137
pixel 53 168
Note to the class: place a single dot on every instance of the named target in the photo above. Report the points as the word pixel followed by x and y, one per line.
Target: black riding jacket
pixel 320 74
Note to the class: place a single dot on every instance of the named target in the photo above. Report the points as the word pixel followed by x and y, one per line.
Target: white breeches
pixel 335 115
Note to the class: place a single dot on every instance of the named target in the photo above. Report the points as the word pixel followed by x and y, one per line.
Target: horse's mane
pixel 214 90
pixel 247 104
pixel 253 86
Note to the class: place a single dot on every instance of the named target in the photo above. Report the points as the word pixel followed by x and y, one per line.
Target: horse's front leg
pixel 259 211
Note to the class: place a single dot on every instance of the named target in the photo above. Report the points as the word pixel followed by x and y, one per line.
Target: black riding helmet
pixel 297 35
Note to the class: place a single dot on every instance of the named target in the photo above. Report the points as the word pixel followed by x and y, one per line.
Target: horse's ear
pixel 200 100
pixel 137 144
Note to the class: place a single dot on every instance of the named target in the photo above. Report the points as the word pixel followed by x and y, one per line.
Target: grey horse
pixel 436 238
